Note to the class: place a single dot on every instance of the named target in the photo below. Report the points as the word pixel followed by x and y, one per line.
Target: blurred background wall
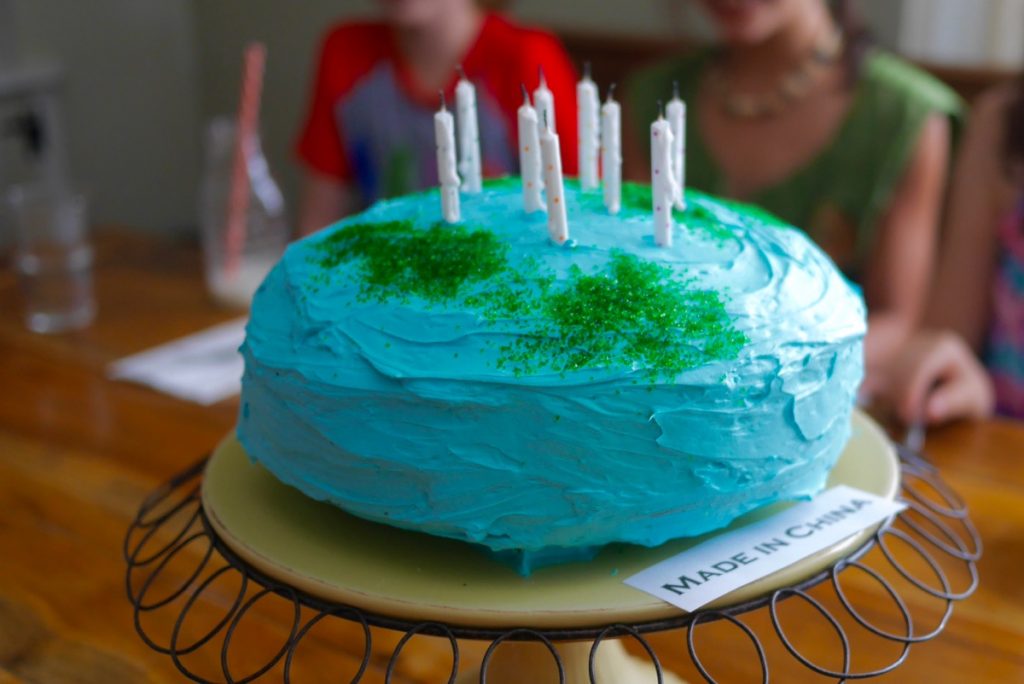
pixel 977 32
pixel 130 97
pixel 142 77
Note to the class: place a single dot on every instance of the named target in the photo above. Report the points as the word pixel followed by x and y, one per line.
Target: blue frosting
pixel 400 411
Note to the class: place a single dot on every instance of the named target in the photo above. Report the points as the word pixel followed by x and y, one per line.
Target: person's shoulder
pixel 686 69
pixel 654 82
pixel 349 51
pixel 502 32
pixel 521 51
pixel 353 37
pixel 894 81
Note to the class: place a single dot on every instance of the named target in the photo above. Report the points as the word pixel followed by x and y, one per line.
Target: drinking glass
pixel 266 226
pixel 53 258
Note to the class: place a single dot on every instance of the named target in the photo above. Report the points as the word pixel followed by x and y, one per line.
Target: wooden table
pixel 79 452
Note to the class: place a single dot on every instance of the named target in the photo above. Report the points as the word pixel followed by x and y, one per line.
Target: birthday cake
pixel 478 381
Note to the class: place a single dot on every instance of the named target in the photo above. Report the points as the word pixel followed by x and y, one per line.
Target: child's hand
pixel 936 377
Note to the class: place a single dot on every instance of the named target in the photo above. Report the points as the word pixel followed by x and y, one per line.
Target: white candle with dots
pixel 529 156
pixel 587 106
pixel 675 112
pixel 444 134
pixel 544 101
pixel 469 134
pixel 551 158
pixel 611 152
pixel 663 185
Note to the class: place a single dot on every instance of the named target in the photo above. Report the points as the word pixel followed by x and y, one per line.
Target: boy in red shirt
pixel 370 130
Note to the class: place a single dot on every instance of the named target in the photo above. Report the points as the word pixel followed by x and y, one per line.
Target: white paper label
pixel 699 575
pixel 204 368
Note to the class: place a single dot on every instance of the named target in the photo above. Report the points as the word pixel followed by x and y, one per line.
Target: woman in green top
pixel 793 113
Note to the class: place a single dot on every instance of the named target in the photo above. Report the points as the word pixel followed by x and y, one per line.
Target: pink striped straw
pixel 248 120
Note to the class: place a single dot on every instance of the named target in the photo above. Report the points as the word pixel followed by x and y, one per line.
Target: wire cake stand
pixel 224 536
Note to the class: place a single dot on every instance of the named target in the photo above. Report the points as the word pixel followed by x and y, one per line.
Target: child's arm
pixel 900 266
pixel 961 297
pixel 937 376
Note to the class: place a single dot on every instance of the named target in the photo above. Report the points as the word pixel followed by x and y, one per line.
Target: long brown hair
pixel 1013 147
pixel 857 38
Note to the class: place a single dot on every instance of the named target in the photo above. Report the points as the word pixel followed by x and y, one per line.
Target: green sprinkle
pixel 632 313
pixel 627 313
pixel 397 260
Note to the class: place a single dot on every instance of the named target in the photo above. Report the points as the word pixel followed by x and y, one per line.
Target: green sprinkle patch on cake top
pixel 628 313
pixel 398 260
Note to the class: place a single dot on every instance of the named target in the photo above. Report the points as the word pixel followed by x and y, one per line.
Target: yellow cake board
pixel 325 552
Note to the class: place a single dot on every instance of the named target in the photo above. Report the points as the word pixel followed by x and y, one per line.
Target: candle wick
pixel 540 72
pixel 611 92
pixel 444 105
pixel 661 110
pixel 526 95
pixel 460 71
pixel 586 70
pixel 675 89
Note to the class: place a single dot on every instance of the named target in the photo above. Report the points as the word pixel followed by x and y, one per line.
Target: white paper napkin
pixel 204 368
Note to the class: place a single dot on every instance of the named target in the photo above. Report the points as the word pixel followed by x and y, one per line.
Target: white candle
pixel 469 134
pixel 544 101
pixel 444 134
pixel 529 156
pixel 663 184
pixel 551 158
pixel 611 153
pixel 587 105
pixel 676 114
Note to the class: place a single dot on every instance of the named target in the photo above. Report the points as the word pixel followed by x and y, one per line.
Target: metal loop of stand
pixel 935 527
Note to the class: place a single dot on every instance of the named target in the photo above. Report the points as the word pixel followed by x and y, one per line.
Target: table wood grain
pixel 79 452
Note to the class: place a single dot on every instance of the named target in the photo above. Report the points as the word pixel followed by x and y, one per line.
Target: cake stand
pixel 562 624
